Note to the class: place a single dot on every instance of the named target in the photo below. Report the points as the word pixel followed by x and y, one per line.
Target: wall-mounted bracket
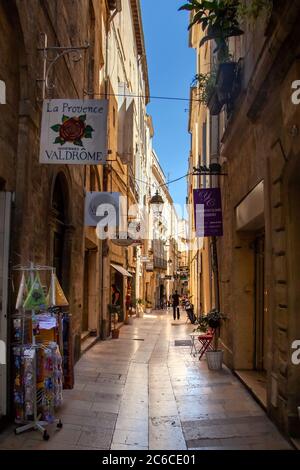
pixel 213 170
pixel 51 56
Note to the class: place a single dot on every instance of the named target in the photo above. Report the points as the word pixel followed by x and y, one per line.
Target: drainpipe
pixel 104 319
pixel 214 183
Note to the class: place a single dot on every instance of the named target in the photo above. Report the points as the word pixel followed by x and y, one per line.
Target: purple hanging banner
pixel 208 212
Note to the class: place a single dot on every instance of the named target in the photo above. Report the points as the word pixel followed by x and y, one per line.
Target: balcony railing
pixel 134 187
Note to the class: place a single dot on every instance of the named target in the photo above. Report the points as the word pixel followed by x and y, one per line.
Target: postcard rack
pixel 36 353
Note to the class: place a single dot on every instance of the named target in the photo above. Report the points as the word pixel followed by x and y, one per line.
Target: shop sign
pixel 2 92
pixel 74 132
pixel 208 212
pixel 168 278
pixel 150 267
pixel 145 259
pixel 107 205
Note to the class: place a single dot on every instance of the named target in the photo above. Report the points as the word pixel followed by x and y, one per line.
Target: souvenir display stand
pixel 37 352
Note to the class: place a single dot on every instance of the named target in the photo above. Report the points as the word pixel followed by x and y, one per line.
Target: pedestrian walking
pixel 115 298
pixel 175 299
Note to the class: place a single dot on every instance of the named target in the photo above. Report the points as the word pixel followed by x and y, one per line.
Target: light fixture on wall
pixel 157 203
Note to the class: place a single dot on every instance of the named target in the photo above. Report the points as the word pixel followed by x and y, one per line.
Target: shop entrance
pixel 117 279
pixel 89 312
pixel 161 295
pixel 85 312
pixel 260 320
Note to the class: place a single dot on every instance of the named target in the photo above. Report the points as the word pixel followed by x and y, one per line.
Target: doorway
pixel 117 279
pixel 85 312
pixel 89 321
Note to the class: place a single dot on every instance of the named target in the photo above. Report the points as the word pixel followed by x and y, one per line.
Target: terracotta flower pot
pixel 115 334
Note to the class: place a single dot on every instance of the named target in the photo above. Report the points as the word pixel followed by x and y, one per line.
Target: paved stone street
pixel 143 392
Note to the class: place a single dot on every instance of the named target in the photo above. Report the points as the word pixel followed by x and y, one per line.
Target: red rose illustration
pixel 72 130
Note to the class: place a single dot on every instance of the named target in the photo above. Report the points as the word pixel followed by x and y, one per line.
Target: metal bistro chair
pixel 206 341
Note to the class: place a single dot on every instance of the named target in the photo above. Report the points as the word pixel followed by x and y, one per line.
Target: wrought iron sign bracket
pixel 213 170
pixel 51 55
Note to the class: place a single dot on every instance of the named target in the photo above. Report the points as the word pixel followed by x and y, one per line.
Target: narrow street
pixel 144 392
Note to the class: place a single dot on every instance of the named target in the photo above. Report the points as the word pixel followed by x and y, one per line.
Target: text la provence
pixel 67 108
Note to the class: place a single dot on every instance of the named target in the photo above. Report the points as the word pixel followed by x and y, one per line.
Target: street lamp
pixel 157 202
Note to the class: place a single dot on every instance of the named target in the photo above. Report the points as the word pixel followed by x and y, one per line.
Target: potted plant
pixel 220 20
pixel 202 325
pixel 208 95
pixel 139 308
pixel 148 306
pixel 131 312
pixel 215 356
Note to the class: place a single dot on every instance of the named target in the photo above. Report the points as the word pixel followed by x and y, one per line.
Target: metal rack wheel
pixel 46 436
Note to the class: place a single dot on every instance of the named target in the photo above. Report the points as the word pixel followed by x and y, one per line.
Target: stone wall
pixel 65 23
pixel 262 142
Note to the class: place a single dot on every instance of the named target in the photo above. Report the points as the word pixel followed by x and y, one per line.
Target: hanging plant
pixel 205 83
pixel 208 94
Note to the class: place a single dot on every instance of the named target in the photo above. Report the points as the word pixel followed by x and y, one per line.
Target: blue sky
pixel 171 70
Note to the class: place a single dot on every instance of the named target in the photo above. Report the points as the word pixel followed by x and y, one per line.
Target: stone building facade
pixel 47 212
pixel 46 203
pixel 259 144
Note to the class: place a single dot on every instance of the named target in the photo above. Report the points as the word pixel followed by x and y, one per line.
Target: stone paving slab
pixel 141 392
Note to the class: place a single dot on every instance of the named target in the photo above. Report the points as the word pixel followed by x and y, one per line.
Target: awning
pixel 121 270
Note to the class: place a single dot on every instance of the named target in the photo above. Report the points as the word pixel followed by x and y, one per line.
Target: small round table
pixel 193 337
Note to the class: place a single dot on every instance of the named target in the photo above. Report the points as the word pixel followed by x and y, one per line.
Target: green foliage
pixel 254 8
pixel 202 325
pixel 206 83
pixel 211 319
pixel 221 19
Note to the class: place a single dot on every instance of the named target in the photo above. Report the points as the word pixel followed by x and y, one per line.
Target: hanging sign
pixel 149 267
pixel 74 132
pixel 208 212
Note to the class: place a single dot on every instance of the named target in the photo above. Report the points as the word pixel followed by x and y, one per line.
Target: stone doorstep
pixel 87 342
pixel 296 443
pixel 255 393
